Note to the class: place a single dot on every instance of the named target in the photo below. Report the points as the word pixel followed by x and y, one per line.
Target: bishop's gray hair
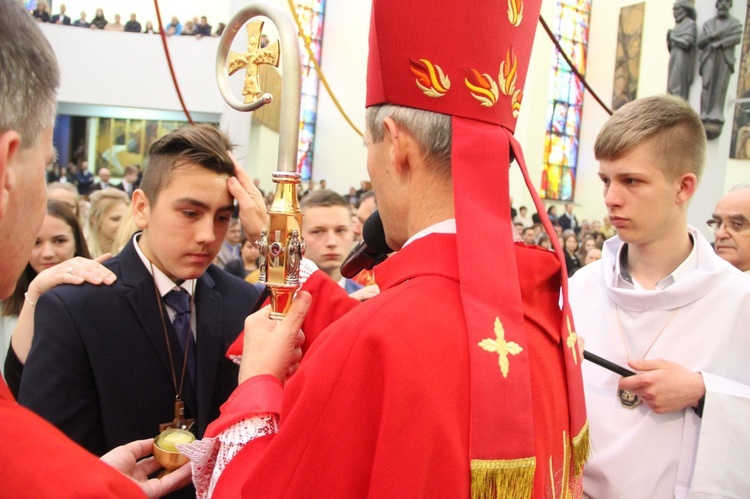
pixel 431 131
pixel 29 75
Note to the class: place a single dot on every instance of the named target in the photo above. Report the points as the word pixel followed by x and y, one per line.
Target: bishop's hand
pixel 252 205
pixel 271 346
pixel 664 386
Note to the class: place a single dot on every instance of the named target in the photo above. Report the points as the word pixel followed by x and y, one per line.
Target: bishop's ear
pixel 10 141
pixel 401 143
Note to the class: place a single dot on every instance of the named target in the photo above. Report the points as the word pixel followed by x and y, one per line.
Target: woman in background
pixel 107 209
pixel 570 248
pixel 59 256
pixel 41 13
pixel 245 267
pixel 543 241
pixel 125 232
pixel 587 243
pixel 99 22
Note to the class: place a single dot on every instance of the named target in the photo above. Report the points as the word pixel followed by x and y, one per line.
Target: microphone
pixel 370 251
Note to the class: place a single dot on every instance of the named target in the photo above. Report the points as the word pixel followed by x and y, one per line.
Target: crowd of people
pixel 581 242
pixel 197 26
pixel 460 374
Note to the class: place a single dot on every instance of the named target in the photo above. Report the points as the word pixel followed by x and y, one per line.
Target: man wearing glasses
pixel 731 225
pixel 662 304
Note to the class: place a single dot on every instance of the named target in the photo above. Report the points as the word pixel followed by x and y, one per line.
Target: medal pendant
pixel 628 399
pixel 179 420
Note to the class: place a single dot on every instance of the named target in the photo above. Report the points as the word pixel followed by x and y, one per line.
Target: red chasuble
pixel 37 460
pixel 381 404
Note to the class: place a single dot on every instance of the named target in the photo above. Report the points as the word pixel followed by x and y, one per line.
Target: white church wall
pixel 128 70
pixel 340 156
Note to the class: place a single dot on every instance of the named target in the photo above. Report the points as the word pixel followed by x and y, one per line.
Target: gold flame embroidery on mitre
pixel 508 73
pixel 484 89
pixel 515 12
pixel 431 79
pixel 516 102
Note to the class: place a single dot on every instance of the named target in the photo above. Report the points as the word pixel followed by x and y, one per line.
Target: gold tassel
pixel 581 450
pixel 511 479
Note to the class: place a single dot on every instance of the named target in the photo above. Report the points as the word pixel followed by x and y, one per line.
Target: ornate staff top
pixel 286 51
pixel 281 246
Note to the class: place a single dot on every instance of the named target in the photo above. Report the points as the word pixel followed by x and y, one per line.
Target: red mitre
pixel 469 61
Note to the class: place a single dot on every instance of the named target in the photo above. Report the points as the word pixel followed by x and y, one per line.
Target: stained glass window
pixel 571 28
pixel 311 14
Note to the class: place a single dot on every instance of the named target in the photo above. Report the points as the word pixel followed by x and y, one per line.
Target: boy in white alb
pixel 662 303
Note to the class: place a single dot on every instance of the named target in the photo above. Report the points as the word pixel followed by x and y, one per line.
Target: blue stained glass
pixel 310 84
pixel 570 144
pixel 567 184
pixel 550 107
pixel 573 120
pixel 560 62
pixel 565 101
pixel 562 86
pixel 311 15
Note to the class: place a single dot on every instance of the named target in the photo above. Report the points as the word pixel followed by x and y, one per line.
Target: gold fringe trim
pixel 510 479
pixel 581 450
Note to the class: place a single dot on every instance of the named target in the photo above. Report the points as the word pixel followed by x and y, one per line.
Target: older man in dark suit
pixel 568 220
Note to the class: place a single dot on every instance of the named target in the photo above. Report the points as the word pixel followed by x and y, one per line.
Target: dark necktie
pixel 179 301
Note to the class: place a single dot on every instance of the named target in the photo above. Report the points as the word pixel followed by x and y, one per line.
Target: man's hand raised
pixel 252 205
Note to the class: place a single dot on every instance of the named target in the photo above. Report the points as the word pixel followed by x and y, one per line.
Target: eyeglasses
pixel 733 225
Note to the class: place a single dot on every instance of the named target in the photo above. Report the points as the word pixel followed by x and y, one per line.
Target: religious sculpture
pixel 717 41
pixel 294 258
pixel 681 45
pixel 262 245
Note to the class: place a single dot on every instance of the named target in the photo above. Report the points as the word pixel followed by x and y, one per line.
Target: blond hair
pixel 127 228
pixel 101 202
pixel 668 123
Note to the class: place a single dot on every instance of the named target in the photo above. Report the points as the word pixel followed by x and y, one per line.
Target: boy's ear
pixel 141 208
pixel 688 183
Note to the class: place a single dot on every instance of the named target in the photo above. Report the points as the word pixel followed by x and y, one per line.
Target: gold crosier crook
pixel 281 246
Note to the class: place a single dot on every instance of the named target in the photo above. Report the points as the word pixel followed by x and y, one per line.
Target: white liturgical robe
pixel 700 320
